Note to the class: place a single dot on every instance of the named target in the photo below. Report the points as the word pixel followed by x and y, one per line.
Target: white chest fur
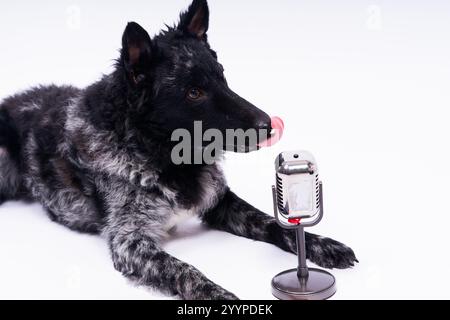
pixel 178 218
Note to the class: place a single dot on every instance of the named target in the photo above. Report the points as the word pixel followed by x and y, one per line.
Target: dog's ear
pixel 136 51
pixel 195 21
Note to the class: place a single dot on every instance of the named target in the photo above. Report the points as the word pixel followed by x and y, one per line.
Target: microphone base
pixel 320 285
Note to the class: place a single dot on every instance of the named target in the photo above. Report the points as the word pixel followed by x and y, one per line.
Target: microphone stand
pixel 302 283
pixel 302 272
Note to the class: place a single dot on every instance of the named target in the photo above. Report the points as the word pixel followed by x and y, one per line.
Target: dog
pixel 99 159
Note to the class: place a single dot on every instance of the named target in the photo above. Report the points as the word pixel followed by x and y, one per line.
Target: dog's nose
pixel 263 125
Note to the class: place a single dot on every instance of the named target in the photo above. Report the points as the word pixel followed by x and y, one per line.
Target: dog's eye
pixel 195 94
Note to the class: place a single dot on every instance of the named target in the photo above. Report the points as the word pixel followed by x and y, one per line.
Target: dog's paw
pixel 330 254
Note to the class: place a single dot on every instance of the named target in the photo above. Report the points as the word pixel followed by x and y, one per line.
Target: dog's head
pixel 176 79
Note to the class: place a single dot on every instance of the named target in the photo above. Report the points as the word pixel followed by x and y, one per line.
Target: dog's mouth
pixel 269 139
pixel 275 135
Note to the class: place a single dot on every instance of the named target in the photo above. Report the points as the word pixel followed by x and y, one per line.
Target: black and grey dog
pixel 99 159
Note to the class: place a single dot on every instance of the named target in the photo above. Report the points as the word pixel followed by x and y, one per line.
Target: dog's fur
pixel 98 159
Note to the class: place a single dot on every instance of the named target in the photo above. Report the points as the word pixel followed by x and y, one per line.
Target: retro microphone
pixel 298 203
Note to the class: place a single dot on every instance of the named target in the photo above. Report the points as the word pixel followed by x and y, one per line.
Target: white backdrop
pixel 364 85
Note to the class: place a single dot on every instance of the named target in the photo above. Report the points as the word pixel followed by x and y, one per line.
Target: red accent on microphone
pixel 295 221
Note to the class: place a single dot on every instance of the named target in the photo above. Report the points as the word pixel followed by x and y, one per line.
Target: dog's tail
pixel 9 158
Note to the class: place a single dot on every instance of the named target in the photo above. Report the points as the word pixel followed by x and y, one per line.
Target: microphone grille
pixel 280 195
pixel 317 192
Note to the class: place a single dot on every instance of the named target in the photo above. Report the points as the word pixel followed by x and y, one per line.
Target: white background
pixel 364 85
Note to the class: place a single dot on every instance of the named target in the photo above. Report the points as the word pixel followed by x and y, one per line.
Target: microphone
pixel 297 186
pixel 298 203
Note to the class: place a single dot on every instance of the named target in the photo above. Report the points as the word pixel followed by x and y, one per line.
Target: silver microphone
pixel 298 203
pixel 298 186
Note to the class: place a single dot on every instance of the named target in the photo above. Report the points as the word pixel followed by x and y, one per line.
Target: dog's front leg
pixel 236 216
pixel 136 254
